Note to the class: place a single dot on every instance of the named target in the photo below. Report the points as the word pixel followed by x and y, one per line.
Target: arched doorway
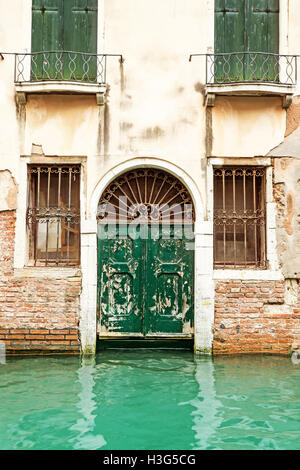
pixel 145 257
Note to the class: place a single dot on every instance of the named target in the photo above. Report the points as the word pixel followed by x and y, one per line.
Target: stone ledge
pixel 249 89
pixel 247 274
pixel 61 87
pixel 42 272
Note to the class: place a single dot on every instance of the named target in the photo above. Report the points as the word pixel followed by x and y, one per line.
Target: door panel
pixel 169 296
pixel 145 286
pixel 146 266
pixel 119 284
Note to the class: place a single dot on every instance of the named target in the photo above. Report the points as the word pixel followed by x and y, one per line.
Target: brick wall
pixel 36 314
pixel 252 317
pixel 42 314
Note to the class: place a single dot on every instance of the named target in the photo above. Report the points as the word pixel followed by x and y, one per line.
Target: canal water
pixel 147 399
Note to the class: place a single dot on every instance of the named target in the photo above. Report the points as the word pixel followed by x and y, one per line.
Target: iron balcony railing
pixel 250 67
pixel 62 66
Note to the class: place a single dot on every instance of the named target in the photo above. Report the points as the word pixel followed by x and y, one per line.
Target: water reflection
pixel 206 415
pixel 87 406
pixel 149 400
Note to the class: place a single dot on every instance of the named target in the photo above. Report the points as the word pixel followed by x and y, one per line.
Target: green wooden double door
pixel 145 285
pixel 64 25
pixel 246 26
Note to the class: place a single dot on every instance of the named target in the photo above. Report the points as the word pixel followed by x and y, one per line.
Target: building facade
pixel 149 174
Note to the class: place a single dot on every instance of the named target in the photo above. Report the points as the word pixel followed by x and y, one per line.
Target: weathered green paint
pixel 229 35
pixel 65 25
pixel 262 26
pixel 169 294
pixel 80 34
pixel 246 26
pixel 47 34
pixel 119 281
pixel 145 286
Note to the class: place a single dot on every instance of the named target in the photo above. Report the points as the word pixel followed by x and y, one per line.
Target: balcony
pixel 250 73
pixel 61 72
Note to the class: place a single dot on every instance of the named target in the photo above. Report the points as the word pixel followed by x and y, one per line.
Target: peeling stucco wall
pixel 287 193
pixel 62 124
pixel 8 193
pixel 287 196
pixel 154 111
pixel 293 116
pixel 247 126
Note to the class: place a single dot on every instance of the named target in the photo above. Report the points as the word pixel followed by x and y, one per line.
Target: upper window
pixel 53 214
pixel 247 40
pixel 239 217
pixel 64 40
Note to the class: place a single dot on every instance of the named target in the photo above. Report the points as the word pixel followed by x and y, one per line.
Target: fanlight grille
pixel 146 195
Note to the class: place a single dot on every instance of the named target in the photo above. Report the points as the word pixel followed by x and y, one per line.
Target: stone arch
pixel 133 164
pixel 203 282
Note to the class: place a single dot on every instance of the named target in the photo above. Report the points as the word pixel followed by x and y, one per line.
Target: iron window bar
pixel 250 67
pixel 53 214
pixel 239 218
pixel 66 66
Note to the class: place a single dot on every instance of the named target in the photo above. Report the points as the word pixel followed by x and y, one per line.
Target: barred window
pixel 53 214
pixel 239 218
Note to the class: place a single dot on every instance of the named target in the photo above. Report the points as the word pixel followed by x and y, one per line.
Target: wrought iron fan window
pixel 53 214
pixel 146 195
pixel 239 217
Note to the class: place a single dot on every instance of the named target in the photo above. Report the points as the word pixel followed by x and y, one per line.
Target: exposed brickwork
pixel 279 198
pixel 251 317
pixel 41 315
pixel 293 116
pixel 35 313
pixel 18 339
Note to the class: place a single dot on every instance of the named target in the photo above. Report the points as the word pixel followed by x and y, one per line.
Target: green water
pixel 149 399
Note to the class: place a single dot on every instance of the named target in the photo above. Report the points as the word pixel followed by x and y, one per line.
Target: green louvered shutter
pixel 229 37
pixel 262 26
pixel 246 26
pixel 47 35
pixel 64 25
pixel 80 35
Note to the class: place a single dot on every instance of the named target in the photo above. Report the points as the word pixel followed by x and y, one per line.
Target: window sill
pixel 49 272
pixel 249 89
pixel 247 274
pixel 62 87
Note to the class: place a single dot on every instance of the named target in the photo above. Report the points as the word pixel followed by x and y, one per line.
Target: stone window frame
pixel 22 264
pixel 239 229
pixel 272 272
pixel 53 214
